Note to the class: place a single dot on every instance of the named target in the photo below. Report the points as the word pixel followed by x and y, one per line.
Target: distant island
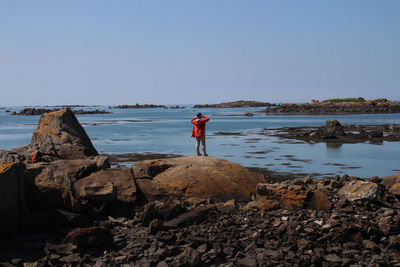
pixel 40 111
pixel 336 106
pixel 137 105
pixel 235 104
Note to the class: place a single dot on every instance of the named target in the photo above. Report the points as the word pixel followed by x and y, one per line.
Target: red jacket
pixel 199 126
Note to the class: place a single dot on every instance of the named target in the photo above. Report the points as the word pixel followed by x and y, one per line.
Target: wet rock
pixel 92 237
pixel 358 190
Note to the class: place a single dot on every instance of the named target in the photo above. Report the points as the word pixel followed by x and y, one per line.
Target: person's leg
pixel 203 143
pixel 198 146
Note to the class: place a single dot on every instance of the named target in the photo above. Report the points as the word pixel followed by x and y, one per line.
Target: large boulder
pixel 60 135
pixel 194 179
pixel 51 184
pixel 12 201
pixel 108 185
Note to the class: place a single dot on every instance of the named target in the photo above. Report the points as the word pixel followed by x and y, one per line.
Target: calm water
pixel 168 131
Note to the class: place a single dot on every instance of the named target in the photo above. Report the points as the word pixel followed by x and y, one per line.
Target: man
pixel 199 129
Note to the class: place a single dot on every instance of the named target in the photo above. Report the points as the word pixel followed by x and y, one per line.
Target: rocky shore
pixel 380 105
pixel 40 111
pixel 335 132
pixel 73 209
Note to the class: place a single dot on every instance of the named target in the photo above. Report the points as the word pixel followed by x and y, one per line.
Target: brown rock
pixel 12 201
pixel 395 189
pixel 320 201
pixel 270 196
pixel 358 190
pixel 59 134
pixel 107 185
pixel 53 189
pixel 194 179
pixel 92 237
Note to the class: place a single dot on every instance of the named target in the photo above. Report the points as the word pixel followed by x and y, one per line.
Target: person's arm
pixel 193 120
pixel 205 118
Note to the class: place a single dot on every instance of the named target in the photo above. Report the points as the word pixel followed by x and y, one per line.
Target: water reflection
pixel 333 150
pixel 333 146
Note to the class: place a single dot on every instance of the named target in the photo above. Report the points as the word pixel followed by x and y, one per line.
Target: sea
pixel 230 135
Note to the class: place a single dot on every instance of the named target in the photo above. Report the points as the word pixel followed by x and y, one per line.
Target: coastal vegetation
pixel 347 99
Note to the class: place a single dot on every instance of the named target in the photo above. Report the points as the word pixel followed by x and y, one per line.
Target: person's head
pixel 199 115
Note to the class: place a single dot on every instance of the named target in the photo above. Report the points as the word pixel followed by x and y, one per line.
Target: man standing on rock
pixel 199 131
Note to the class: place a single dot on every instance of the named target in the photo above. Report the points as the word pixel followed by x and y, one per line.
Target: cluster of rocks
pixel 335 132
pixel 40 111
pixel 236 104
pixel 380 105
pixel 74 209
pixel 139 106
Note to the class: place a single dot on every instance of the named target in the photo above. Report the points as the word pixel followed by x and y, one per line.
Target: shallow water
pixel 168 131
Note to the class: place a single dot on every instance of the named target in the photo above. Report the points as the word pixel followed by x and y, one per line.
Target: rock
pixel 333 258
pixel 271 196
pixel 191 257
pixel 98 191
pixel 108 185
pixel 149 213
pixel 320 201
pixel 334 128
pixel 188 218
pixel 154 226
pixel 369 244
pixel 60 135
pixel 12 200
pixel 248 262
pixel 395 189
pixel 54 189
pixel 194 179
pixel 92 237
pixel 358 190
pixel 80 168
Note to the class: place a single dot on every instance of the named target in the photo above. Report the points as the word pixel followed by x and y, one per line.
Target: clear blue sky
pixel 166 52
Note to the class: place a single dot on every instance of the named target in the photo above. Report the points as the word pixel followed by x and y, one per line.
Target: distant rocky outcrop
pixel 235 104
pixel 194 179
pixel 335 132
pixel 137 105
pixel 40 111
pixel 380 105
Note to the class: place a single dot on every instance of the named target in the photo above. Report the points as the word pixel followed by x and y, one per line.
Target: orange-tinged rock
pixel 107 185
pixel 6 166
pixel 395 189
pixel 60 135
pixel 288 196
pixel 194 179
